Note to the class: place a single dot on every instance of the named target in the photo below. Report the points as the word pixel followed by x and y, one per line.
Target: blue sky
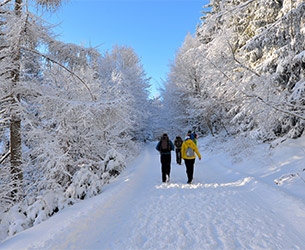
pixel 155 29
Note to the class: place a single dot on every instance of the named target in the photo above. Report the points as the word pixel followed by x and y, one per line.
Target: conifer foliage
pixel 243 71
pixel 69 117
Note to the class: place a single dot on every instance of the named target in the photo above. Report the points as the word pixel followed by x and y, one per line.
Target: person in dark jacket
pixel 178 144
pixel 165 146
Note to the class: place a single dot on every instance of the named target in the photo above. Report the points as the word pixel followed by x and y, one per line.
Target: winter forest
pixel 72 116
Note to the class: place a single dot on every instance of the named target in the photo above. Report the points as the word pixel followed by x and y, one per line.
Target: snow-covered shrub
pixel 23 215
pixel 114 163
pixel 84 184
pixel 13 221
pixel 45 206
pixel 3 224
pixel 17 221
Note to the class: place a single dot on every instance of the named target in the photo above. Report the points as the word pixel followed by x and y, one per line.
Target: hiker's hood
pixel 189 142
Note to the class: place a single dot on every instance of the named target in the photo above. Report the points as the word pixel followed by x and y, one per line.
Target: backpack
pixel 164 145
pixel 190 152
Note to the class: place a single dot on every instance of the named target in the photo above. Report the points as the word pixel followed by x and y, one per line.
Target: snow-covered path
pixel 222 209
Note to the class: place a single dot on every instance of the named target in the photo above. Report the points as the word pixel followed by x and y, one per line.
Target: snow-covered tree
pixel 250 66
pixel 78 113
pixel 129 78
pixel 189 91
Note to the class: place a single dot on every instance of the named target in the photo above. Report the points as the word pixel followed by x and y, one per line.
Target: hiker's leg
pixel 168 167
pixel 179 157
pixel 163 167
pixel 191 169
pixel 187 165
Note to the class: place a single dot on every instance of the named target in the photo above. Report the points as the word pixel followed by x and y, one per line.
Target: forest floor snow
pixel 233 203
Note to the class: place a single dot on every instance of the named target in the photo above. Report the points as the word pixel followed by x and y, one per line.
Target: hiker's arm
pixel 172 146
pixel 183 151
pixel 197 152
pixel 158 146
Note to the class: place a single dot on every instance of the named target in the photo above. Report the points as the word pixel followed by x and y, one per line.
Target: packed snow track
pixel 222 209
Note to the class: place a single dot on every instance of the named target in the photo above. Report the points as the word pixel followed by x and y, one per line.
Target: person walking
pixel 188 151
pixel 165 146
pixel 178 144
pixel 193 136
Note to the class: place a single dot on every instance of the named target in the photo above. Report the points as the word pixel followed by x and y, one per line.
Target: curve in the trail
pixel 223 209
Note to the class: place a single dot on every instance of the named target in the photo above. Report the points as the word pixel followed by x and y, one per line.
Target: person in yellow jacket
pixel 188 151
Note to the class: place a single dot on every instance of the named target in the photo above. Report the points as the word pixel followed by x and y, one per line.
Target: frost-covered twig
pixel 221 71
pixel 5 156
pixel 292 106
pixel 64 67
pixel 258 97
pixel 275 107
pixel 5 2
pixel 284 18
pixel 233 9
pixel 7 98
pixel 241 64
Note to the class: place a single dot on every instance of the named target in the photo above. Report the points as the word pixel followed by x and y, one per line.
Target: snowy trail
pixel 223 209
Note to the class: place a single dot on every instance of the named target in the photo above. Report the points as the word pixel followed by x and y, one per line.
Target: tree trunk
pixel 15 124
pixel 16 163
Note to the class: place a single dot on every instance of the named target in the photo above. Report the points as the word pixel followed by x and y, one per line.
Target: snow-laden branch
pixel 5 156
pixel 287 112
pixel 62 66
pixel 5 2
pixel 222 13
pixel 7 98
pixel 258 97
pixel 286 17
pixel 294 106
pixel 2 112
pixel 241 64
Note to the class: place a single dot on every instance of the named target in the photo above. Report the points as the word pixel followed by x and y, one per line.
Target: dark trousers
pixel 178 155
pixel 166 166
pixel 189 163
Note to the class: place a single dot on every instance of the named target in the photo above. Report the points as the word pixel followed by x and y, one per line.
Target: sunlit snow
pixel 233 203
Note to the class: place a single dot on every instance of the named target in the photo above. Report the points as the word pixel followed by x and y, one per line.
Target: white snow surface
pixel 233 203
